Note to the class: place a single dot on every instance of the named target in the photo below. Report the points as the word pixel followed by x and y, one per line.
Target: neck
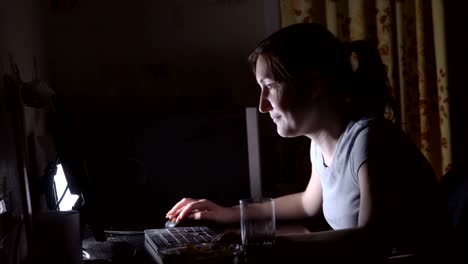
pixel 328 135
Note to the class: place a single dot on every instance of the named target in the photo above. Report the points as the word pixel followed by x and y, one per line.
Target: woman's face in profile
pixel 289 117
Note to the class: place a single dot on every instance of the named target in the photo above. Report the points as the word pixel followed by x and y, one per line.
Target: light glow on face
pixel 274 100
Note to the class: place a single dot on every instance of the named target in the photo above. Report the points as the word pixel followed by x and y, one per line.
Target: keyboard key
pixel 182 235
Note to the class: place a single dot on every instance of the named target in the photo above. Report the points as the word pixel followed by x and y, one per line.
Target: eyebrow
pixel 262 80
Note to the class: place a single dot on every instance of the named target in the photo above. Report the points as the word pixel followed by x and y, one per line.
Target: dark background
pixel 152 95
pixel 132 65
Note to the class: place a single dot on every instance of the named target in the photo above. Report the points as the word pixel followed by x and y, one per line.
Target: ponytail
pixel 369 93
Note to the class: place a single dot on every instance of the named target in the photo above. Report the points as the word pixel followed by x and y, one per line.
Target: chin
pixel 286 133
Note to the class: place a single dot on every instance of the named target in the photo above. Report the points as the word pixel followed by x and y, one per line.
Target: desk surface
pixel 129 248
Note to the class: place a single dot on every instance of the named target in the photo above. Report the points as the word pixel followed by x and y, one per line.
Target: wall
pixel 151 54
pixel 148 55
pixel 180 54
pixel 22 38
pixel 110 59
pixel 111 55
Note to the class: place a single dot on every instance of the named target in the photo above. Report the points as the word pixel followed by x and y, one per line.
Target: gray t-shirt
pixel 340 183
pixel 404 182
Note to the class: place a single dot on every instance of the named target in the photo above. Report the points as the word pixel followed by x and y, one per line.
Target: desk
pixel 129 248
pixel 117 249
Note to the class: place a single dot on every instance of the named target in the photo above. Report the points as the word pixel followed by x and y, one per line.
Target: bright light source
pixel 60 184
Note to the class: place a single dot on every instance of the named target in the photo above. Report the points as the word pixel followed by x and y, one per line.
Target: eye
pixel 272 85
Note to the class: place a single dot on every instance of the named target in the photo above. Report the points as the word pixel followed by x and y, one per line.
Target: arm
pixel 346 241
pixel 293 206
pixel 303 204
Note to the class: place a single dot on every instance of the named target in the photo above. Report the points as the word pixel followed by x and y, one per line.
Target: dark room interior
pixel 148 107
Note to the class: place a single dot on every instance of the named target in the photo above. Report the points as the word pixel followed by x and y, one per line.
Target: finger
pixel 180 204
pixel 187 210
pixel 196 206
pixel 202 215
pixel 176 208
pixel 177 213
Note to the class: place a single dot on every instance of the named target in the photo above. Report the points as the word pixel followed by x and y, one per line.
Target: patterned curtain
pixel 411 40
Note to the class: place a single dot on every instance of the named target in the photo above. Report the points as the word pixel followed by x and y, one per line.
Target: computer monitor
pixel 133 167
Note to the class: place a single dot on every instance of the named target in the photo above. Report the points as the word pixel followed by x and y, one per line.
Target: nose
pixel 264 105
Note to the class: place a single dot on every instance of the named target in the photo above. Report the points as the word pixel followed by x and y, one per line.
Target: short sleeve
pixel 359 152
pixel 316 158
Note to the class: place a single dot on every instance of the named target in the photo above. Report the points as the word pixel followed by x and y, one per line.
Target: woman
pixel 371 183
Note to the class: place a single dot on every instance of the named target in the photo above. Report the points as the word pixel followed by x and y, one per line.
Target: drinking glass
pixel 258 222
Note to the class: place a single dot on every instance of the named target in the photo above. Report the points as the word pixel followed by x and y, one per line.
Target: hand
pixel 202 209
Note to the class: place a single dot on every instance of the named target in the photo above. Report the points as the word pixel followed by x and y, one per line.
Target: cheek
pixel 282 99
pixel 287 101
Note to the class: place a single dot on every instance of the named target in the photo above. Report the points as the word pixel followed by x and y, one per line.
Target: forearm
pixel 290 207
pixel 287 207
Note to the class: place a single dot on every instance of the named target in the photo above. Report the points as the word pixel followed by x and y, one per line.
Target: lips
pixel 276 118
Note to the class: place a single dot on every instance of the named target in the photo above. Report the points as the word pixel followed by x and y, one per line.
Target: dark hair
pixel 360 92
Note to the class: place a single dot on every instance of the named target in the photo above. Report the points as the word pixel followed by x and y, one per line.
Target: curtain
pixel 411 41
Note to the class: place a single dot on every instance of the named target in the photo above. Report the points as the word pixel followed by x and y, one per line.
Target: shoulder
pixel 375 133
pixel 380 133
pixel 385 136
pixel 362 128
pixel 393 151
pixel 356 136
pixel 356 126
pixel 355 130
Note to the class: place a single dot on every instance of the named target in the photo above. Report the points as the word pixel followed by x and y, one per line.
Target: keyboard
pixel 178 236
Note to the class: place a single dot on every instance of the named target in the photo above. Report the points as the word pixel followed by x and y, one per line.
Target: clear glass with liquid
pixel 258 222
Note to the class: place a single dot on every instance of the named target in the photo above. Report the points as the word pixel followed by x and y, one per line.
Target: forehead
pixel 262 69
